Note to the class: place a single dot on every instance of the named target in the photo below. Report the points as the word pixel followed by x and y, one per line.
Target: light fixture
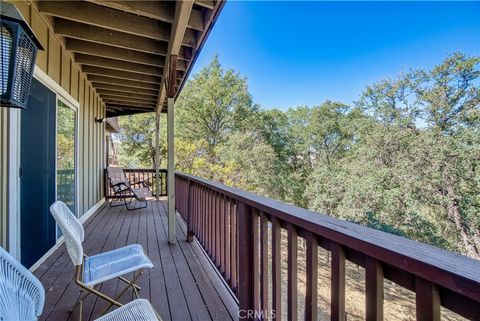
pixel 18 53
pixel 99 120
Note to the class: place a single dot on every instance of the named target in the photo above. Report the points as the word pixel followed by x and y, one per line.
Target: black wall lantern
pixel 18 53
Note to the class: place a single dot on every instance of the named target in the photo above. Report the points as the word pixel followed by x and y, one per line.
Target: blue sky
pixel 301 53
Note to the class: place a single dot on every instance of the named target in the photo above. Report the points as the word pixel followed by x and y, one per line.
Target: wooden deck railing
pixel 233 226
pixel 140 174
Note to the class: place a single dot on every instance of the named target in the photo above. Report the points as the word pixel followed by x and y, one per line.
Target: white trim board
pixel 60 241
pixel 91 211
pixel 49 82
pixel 13 172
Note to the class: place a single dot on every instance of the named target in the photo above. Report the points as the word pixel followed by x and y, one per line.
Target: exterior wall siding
pixel 57 63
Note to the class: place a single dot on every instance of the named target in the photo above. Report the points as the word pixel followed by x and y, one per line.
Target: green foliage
pixel 404 159
pixel 137 140
pixel 213 104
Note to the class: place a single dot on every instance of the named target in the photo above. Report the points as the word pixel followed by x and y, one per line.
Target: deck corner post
pixel 157 154
pixel 189 212
pixel 171 171
pixel 246 245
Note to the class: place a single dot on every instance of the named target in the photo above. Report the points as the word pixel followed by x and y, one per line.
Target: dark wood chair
pixel 124 189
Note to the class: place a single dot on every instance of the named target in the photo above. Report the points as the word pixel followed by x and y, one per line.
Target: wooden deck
pixel 182 285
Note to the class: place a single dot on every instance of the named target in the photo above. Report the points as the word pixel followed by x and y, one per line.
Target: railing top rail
pixel 450 270
pixel 143 169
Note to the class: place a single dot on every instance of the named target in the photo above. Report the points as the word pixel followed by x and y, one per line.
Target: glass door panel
pixel 66 157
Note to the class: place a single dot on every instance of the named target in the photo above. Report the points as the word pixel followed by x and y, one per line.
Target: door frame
pixel 77 128
pixel 14 140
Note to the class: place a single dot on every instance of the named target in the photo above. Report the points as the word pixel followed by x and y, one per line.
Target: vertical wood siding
pixel 59 65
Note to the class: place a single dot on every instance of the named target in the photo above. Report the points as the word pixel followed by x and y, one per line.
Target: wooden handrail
pixel 214 212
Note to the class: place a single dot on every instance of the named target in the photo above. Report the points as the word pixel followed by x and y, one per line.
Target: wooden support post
pixel 171 171
pixel 246 291
pixel 172 70
pixel 157 153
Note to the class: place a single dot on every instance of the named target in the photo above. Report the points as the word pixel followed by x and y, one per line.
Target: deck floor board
pixel 178 286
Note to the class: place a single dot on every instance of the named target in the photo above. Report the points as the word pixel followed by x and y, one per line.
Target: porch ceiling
pixel 124 46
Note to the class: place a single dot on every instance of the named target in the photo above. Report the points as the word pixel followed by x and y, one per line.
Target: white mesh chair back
pixel 21 294
pixel 72 230
pixel 116 175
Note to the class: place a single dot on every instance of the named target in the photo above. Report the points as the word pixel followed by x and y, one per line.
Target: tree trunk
pixel 454 214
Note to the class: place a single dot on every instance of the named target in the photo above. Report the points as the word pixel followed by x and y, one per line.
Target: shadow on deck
pixel 182 285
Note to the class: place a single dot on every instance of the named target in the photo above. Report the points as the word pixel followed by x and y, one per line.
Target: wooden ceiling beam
pixel 129 104
pixel 183 10
pixel 83 59
pixel 122 82
pixel 99 16
pixel 81 31
pixel 99 71
pixel 126 100
pixel 206 4
pixel 125 94
pixel 125 89
pixel 96 49
pixel 92 14
pixel 127 107
pixel 159 10
pixel 127 111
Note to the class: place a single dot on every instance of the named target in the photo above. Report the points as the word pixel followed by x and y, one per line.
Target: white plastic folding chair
pixel 91 271
pixel 21 294
pixel 22 297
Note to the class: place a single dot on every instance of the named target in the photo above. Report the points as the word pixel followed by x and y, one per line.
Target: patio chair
pixel 91 271
pixel 22 296
pixel 124 189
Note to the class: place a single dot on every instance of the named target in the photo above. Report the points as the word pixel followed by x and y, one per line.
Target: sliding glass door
pixel 66 155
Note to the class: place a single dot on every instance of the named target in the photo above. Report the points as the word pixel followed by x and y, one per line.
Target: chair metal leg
pixel 122 199
pixel 130 284
pixel 135 207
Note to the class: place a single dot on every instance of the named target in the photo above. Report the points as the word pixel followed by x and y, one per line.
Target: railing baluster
pixel 207 220
pixel 227 242
pixel 233 246
pixel 222 234
pixel 237 243
pixel 373 289
pixel 311 295
pixel 292 273
pixel 215 230
pixel 256 261
pixel 264 263
pixel 217 225
pixel 190 205
pixel 214 226
pixel 338 283
pixel 276 269
pixel 427 300
pixel 204 216
pixel 210 222
pixel 246 286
